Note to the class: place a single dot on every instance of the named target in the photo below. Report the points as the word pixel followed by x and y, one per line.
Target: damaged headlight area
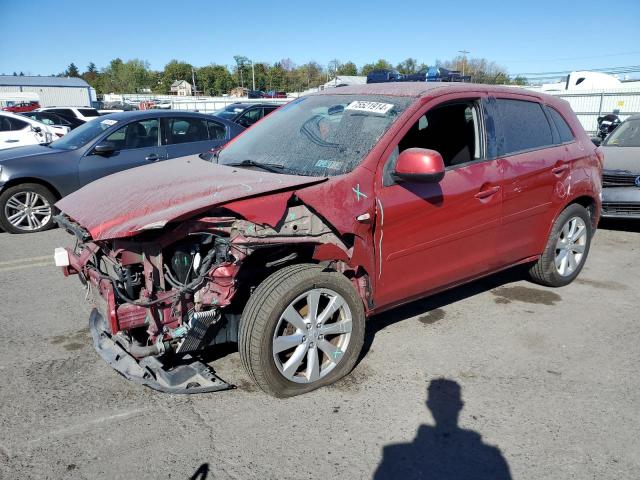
pixel 160 305
pixel 164 297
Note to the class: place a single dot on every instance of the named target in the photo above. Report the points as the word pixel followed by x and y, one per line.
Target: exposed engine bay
pixel 166 297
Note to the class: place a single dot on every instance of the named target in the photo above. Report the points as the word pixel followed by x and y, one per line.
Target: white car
pixel 18 131
pixel 82 113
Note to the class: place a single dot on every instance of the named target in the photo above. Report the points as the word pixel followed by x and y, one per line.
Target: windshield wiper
pixel 269 167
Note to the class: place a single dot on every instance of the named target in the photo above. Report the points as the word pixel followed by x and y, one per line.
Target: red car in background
pixel 337 206
pixel 22 107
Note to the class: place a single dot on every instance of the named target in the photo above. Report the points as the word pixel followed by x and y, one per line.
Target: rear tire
pixel 289 348
pixel 567 248
pixel 27 208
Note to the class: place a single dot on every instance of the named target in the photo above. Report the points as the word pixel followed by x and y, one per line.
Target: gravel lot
pixel 548 380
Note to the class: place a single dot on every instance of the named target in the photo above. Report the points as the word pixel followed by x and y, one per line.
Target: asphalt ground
pixel 524 381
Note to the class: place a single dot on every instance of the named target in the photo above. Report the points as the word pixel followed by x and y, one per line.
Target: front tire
pixel 26 208
pixel 567 248
pixel 302 328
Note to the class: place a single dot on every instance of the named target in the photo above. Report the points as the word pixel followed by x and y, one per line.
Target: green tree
pixel 382 64
pixel 91 76
pixel 72 71
pixel 241 69
pixel 214 79
pixel 367 68
pixel 408 66
pixel 348 68
pixel 125 77
pixel 174 70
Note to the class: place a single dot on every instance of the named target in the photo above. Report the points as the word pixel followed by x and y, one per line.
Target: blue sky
pixel 43 37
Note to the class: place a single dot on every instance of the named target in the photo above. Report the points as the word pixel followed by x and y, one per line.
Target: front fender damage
pixel 172 293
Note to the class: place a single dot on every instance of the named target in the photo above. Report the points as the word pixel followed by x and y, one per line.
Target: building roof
pixel 29 81
pixel 177 83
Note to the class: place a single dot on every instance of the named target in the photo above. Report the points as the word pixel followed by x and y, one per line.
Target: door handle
pixel 11 140
pixel 488 192
pixel 559 170
pixel 153 157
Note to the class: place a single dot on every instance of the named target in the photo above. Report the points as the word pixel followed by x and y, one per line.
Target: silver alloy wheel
pixel 312 335
pixel 27 211
pixel 570 246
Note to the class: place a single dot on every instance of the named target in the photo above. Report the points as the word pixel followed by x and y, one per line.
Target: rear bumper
pixel 180 378
pixel 621 202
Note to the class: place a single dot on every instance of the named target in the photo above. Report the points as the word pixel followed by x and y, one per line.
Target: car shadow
pixel 381 321
pixel 443 451
pixel 620 225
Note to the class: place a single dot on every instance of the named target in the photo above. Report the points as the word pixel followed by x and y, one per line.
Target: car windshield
pixel 228 113
pixel 317 135
pixel 626 135
pixel 83 134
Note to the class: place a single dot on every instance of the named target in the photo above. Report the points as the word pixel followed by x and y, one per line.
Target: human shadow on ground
pixel 202 473
pixel 443 451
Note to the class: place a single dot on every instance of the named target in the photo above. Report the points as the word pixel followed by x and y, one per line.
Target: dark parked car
pixel 33 178
pixel 50 118
pixel 246 114
pixel 621 177
pixel 383 76
pixel 338 206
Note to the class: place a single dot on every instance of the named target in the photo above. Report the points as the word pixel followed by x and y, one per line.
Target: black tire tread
pixel 38 188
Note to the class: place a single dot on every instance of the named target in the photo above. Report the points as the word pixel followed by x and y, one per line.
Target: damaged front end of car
pixel 166 296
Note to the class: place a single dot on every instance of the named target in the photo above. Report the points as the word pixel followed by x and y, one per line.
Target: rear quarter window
pixel 524 126
pixel 566 135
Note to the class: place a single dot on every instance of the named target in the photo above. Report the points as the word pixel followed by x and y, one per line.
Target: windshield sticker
pixel 370 107
pixel 331 165
pixel 109 122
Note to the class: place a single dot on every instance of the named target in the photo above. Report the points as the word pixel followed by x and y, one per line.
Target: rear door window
pixel 250 117
pixel 186 130
pixel 524 126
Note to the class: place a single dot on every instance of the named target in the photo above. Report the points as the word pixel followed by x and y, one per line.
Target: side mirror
pixel 36 129
pixel 597 141
pixel 104 148
pixel 419 165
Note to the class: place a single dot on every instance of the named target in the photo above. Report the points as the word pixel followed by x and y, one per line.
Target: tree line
pixel 136 76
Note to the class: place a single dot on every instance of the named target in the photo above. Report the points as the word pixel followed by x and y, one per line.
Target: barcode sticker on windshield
pixel 109 122
pixel 370 107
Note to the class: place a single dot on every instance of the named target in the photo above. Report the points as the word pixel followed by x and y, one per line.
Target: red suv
pixel 337 206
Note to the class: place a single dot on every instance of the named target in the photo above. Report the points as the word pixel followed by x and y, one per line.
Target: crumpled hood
pixel 26 151
pixel 148 197
pixel 622 158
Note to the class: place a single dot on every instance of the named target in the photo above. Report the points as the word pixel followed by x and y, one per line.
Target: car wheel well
pixel 38 181
pixel 590 204
pixel 265 261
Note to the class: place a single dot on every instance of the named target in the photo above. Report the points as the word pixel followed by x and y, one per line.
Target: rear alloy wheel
pixel 566 250
pixel 302 328
pixel 26 208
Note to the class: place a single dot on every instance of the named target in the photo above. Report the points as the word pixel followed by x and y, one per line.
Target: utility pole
pixel 193 81
pixel 464 58
pixel 253 75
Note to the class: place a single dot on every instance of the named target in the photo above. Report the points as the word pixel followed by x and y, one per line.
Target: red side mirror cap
pixel 420 165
